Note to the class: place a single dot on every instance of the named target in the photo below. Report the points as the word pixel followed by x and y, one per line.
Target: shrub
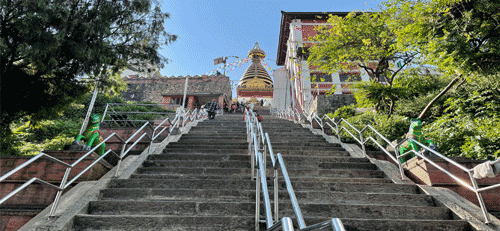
pixel 392 127
pixel 462 136
pixel 345 112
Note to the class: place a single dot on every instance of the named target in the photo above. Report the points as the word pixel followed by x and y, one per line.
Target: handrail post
pixel 362 143
pixel 337 225
pixel 59 192
pixel 479 198
pixel 257 200
pixel 105 111
pixel 120 159
pixel 286 224
pixel 276 199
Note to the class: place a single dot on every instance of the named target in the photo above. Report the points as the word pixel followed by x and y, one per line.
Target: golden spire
pixel 256 73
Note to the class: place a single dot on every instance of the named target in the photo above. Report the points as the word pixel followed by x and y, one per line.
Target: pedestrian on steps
pixel 212 107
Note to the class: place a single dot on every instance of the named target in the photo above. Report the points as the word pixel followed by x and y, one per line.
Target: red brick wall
pixel 37 196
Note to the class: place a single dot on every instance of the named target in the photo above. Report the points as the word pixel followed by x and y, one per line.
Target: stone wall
pixel 331 103
pixel 153 89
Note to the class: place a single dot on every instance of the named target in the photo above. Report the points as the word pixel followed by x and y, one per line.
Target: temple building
pixel 255 84
pixel 169 91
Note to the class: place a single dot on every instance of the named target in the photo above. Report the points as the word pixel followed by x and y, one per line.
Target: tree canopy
pixel 362 40
pixel 48 46
pixel 458 36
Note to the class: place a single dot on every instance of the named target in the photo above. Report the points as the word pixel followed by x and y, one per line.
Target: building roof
pixel 286 18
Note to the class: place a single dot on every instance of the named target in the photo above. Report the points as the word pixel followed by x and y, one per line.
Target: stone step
pixel 245 157
pixel 246 164
pixel 220 144
pixel 218 208
pixel 163 222
pixel 355 185
pixel 249 196
pixel 197 164
pixel 220 170
pixel 205 151
pixel 177 194
pixel 410 224
pixel 320 181
pixel 243 183
pixel 368 211
pixel 156 207
pixel 217 137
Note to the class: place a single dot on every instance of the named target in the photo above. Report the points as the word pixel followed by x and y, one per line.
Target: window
pixel 382 78
pixel 349 77
pixel 319 76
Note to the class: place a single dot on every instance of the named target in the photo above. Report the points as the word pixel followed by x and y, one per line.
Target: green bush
pixel 30 138
pixel 345 112
pixel 392 127
pixel 462 136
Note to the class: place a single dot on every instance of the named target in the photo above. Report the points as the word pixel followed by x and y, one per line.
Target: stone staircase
pixel 328 183
pixel 201 182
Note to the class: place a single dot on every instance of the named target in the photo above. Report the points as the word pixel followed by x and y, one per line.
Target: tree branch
pixel 429 105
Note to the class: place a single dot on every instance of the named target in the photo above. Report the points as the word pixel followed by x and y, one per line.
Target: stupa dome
pixel 256 76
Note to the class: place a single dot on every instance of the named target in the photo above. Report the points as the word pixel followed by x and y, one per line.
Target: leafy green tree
pixel 48 46
pixel 460 37
pixel 362 40
pixel 471 122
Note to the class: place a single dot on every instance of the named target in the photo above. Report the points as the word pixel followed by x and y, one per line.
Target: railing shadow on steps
pixel 338 127
pixel 64 184
pixel 256 138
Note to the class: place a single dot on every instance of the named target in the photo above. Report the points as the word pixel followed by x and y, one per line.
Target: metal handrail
pixel 277 162
pixel 474 187
pixel 64 184
pixel 285 225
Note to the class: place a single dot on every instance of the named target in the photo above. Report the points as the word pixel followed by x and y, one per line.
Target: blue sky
pixel 210 29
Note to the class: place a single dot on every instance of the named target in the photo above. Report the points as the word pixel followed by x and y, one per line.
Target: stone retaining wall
pixel 331 103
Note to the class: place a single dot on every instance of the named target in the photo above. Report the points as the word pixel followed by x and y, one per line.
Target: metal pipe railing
pixel 472 187
pixel 254 129
pixel 64 184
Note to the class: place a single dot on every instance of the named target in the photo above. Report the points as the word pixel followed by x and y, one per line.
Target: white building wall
pixel 281 99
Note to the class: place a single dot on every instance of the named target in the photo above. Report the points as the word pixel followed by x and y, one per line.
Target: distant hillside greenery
pixel 30 139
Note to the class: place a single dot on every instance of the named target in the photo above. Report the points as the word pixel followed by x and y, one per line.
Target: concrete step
pixel 163 222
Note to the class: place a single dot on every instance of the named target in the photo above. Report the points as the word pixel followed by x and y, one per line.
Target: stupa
pixel 255 84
